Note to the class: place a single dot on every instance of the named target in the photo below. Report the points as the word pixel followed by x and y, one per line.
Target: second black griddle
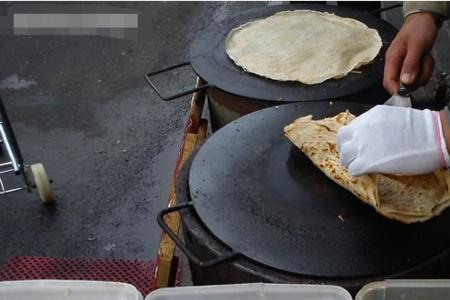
pixel 261 196
pixel 210 61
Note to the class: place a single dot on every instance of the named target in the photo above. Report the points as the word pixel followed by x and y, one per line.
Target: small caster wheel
pixel 42 183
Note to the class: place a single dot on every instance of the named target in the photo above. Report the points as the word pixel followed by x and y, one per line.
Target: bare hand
pixel 409 57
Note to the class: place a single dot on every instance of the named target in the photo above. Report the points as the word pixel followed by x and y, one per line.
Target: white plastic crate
pixel 67 290
pixel 252 291
pixel 98 290
pixel 408 289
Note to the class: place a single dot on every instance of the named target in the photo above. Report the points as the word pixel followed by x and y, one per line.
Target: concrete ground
pixel 80 105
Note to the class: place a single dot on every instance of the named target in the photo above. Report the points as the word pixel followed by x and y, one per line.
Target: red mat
pixel 138 273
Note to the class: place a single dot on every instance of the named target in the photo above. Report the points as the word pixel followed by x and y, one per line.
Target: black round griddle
pixel 257 193
pixel 210 61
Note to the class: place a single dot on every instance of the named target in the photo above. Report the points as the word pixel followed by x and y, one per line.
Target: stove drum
pixel 225 107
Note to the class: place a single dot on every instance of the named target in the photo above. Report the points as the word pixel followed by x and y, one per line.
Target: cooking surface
pixel 258 193
pixel 210 61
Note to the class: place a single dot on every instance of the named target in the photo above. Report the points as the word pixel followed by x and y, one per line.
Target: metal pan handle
pixel 192 257
pixel 178 95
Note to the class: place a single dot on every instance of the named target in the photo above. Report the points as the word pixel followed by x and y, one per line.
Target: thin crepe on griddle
pixel 407 199
pixel 303 45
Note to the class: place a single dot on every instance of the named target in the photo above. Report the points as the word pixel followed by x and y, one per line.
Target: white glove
pixel 393 140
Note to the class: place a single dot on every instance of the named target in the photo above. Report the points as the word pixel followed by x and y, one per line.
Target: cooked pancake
pixel 407 199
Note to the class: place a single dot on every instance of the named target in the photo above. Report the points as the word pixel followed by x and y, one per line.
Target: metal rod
pixel 192 257
pixel 1 184
pixel 178 95
pixel 7 171
pixel 4 192
pixel 6 164
pixel 8 148
pixel 186 63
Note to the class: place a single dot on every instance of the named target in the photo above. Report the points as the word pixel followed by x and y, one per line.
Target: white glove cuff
pixel 446 154
pixel 445 157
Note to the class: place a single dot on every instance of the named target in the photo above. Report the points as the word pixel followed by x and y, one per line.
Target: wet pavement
pixel 81 106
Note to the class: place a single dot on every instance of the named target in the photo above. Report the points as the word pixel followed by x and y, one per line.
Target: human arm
pixel 410 51
pixel 409 56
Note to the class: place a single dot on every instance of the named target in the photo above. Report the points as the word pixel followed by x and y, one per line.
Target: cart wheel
pixel 42 183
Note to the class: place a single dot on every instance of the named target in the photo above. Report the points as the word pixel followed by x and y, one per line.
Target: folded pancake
pixel 407 199
pixel 303 45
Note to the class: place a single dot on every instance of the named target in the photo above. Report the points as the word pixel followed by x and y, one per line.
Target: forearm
pixel 440 8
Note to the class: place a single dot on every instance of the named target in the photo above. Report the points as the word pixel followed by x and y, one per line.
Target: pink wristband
pixel 438 132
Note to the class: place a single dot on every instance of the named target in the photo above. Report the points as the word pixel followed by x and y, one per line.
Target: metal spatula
pixel 401 98
pixel 440 98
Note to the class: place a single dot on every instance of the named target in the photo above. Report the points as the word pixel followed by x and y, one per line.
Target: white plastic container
pixel 407 289
pixel 67 290
pixel 252 291
pixel 97 290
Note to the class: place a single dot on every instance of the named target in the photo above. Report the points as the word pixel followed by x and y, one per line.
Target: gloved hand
pixel 393 140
